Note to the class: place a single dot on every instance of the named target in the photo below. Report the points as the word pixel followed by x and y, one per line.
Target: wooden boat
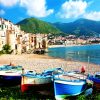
pixel 69 84
pixel 10 78
pixel 39 51
pixel 53 71
pixel 10 75
pixel 5 67
pixel 96 80
pixel 32 81
pixel 10 67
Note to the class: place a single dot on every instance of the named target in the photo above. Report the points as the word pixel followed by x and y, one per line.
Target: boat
pixel 96 80
pixel 10 78
pixel 9 67
pixel 5 67
pixel 39 51
pixel 10 75
pixel 69 84
pixel 53 71
pixel 32 81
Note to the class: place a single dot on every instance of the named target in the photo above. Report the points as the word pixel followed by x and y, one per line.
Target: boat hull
pixel 94 79
pixel 36 87
pixel 96 82
pixel 64 89
pixel 96 86
pixel 10 77
pixel 36 83
pixel 10 80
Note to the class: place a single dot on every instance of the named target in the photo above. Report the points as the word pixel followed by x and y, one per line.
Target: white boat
pixel 32 81
pixel 10 77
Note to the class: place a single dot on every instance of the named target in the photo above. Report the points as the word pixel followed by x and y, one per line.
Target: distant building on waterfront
pixel 19 40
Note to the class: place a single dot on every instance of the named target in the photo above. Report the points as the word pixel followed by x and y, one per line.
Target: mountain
pixel 33 25
pixel 80 27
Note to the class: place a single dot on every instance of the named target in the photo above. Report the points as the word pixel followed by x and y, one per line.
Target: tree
pixel 6 49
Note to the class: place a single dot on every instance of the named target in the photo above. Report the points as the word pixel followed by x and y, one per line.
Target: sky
pixel 50 10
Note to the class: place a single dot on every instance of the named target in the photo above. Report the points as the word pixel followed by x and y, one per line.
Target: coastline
pixel 55 46
pixel 40 63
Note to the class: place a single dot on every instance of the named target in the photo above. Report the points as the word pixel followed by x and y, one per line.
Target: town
pixel 23 42
pixel 19 40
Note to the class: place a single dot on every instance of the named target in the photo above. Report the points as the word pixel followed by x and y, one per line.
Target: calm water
pixel 80 53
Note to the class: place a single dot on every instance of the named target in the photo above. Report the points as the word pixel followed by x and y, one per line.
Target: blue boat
pixel 96 80
pixel 10 75
pixel 10 78
pixel 69 84
pixel 53 71
pixel 5 67
pixel 9 67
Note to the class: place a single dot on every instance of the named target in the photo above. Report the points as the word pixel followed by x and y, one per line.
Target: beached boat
pixel 39 51
pixel 32 81
pixel 53 71
pixel 5 67
pixel 96 80
pixel 9 67
pixel 69 84
pixel 10 75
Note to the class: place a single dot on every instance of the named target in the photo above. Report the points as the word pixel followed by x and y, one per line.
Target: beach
pixel 39 63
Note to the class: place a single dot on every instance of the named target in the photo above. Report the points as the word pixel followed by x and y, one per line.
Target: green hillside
pixel 33 25
pixel 80 27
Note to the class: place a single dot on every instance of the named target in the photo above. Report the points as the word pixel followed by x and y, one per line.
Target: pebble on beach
pixel 40 63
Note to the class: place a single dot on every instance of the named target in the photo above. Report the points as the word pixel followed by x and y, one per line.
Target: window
pixel 2 27
pixel 16 46
pixel 3 34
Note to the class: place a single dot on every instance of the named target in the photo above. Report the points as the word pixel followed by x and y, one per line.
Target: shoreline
pixel 55 46
pixel 39 63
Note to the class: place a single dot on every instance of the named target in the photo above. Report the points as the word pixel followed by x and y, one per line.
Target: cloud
pixel 8 3
pixel 73 9
pixel 2 12
pixel 36 8
pixel 92 15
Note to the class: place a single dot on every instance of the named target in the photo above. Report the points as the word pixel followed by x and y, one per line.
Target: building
pixel 19 40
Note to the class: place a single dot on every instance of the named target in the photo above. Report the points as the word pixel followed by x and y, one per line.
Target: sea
pixel 83 53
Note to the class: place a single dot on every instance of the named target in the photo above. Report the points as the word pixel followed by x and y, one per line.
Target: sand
pixel 40 63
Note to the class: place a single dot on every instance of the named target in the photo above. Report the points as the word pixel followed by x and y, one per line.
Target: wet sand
pixel 40 63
